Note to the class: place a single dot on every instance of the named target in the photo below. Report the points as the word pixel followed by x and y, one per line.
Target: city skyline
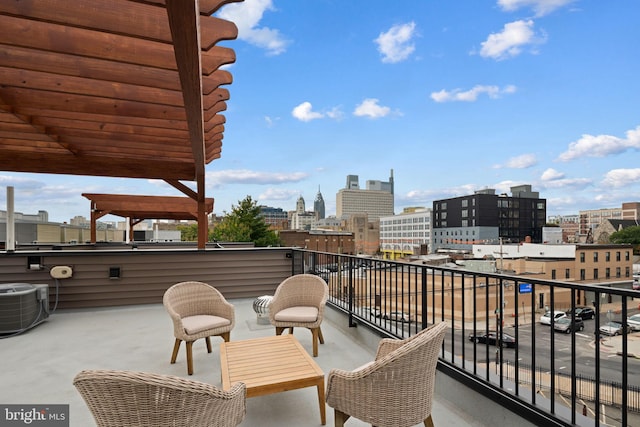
pixel 454 97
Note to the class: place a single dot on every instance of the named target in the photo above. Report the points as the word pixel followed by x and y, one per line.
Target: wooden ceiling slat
pixel 207 7
pixel 148 207
pixel 82 42
pixel 115 128
pixel 142 21
pixel 79 85
pixel 90 141
pixel 24 137
pixel 215 109
pixel 95 68
pixel 122 167
pixel 105 119
pixel 162 143
pixel 30 98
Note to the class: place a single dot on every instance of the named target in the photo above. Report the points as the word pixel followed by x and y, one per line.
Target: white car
pixel 545 319
pixel 634 322
pixel 613 328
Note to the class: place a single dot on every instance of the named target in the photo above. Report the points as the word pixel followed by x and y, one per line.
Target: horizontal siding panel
pixel 147 273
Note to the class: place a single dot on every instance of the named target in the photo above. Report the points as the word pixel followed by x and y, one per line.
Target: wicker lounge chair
pixel 394 390
pixel 299 301
pixel 126 398
pixel 198 310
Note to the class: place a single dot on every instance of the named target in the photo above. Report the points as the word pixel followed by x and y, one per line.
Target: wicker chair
pixel 394 390
pixel 198 310
pixel 299 301
pixel 125 398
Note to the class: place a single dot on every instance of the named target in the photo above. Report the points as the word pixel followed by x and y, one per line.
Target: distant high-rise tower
pixel 300 205
pixel 375 201
pixel 318 205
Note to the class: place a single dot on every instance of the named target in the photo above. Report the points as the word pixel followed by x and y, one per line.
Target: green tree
pixel 245 224
pixel 189 233
pixel 629 236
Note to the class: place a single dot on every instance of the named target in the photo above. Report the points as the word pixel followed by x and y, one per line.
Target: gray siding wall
pixel 146 274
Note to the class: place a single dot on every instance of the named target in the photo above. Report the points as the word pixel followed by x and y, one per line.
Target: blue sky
pixel 454 96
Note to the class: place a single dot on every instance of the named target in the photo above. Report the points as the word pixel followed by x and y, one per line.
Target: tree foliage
pixel 245 224
pixel 189 232
pixel 629 235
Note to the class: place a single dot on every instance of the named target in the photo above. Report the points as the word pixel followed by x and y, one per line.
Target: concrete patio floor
pixel 40 364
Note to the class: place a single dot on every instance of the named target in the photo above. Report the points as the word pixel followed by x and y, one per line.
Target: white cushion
pixel 297 314
pixel 202 322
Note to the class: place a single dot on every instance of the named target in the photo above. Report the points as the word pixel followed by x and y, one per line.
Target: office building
pixel 485 217
pixel 406 234
pixel 376 201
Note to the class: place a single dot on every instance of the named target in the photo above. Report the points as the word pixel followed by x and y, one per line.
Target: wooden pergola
pixel 115 88
pixel 140 208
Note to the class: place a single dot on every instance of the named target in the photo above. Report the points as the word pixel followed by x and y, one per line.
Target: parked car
pixel 397 316
pixel 374 311
pixel 545 319
pixel 584 313
pixel 613 328
pixel 490 338
pixel 568 325
pixel 634 322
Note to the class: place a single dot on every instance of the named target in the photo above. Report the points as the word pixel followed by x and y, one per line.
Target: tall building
pixel 301 219
pixel 375 202
pixel 318 205
pixel 485 217
pixel 408 233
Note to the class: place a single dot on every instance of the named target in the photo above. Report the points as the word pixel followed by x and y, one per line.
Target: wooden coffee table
pixel 271 365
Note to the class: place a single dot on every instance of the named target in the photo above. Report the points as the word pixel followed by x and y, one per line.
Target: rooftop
pixel 44 360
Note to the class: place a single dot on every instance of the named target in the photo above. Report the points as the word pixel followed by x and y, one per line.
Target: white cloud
pixel 551 175
pixel 247 16
pixel 370 108
pixel 601 145
pixel 304 112
pixel 510 42
pixel 335 113
pixel 523 161
pixel 621 177
pixel 540 7
pixel 278 194
pixel 471 95
pixel 244 176
pixel 553 179
pixel 396 44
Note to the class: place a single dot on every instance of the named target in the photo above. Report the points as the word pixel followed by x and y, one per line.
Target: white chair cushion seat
pixel 202 322
pixel 297 314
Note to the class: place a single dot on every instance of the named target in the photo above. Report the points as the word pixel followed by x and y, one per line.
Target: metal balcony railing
pixel 583 377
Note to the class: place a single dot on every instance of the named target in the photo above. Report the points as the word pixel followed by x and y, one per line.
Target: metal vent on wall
pixel 22 306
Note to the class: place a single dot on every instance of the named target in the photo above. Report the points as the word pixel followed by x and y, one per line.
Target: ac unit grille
pixel 22 306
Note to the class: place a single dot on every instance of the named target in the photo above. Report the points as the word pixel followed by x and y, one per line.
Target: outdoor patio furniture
pixel 299 301
pixel 396 389
pixel 140 399
pixel 198 310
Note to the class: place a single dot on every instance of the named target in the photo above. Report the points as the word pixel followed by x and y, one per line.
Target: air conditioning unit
pixel 22 306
